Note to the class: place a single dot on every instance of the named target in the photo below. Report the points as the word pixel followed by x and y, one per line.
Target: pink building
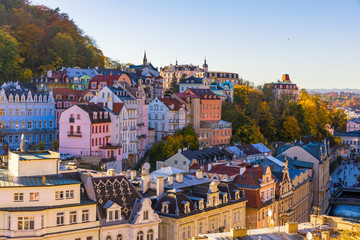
pixel 85 131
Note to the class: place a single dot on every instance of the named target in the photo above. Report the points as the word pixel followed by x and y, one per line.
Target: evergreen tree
pixel 174 85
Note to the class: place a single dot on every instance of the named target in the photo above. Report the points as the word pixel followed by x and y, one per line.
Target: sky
pixel 316 42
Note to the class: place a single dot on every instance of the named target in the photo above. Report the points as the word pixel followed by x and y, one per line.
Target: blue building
pixel 23 109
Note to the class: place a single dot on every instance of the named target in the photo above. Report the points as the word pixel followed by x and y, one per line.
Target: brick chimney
pixel 199 174
pixel 179 177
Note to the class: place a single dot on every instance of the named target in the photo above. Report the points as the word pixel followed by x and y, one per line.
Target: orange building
pixel 213 130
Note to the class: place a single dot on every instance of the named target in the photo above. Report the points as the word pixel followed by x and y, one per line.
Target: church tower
pixel 145 62
pixel 205 66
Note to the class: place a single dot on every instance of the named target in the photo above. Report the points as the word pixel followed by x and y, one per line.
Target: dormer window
pixel 95 115
pixel 225 198
pixel 201 204
pixel 186 206
pixel 237 195
pixel 113 211
pixel 23 98
pixel 146 215
pixel 165 207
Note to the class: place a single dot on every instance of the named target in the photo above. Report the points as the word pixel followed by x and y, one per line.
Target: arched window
pixel 108 238
pixel 119 237
pixel 140 235
pixel 150 235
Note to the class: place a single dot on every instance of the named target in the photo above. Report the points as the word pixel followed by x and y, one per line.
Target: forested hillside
pixel 36 38
pixel 257 117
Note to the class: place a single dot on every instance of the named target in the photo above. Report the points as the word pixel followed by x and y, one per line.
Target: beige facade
pixel 230 216
pixel 318 154
pixel 295 197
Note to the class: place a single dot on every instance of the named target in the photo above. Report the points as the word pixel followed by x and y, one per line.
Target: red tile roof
pixel 168 101
pixel 253 197
pixel 117 107
pixel 203 93
pixel 223 169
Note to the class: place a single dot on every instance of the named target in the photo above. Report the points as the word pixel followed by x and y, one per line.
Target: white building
pixel 352 139
pixel 159 118
pixel 37 203
pixel 353 125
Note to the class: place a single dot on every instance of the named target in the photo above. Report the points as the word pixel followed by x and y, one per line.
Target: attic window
pixel 165 207
pixel 16 98
pixel 95 115
pixel 225 198
pixel 186 206
pixel 113 215
pixel 237 195
pixel 201 204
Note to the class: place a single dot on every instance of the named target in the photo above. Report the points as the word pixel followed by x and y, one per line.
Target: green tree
pixel 41 145
pixel 55 144
pixel 9 56
pixel 174 85
pixel 64 49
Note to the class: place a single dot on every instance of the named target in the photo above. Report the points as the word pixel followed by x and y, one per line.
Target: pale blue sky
pixel 244 36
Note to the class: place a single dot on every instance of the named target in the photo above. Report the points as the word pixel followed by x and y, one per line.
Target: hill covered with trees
pixel 35 38
pixel 257 117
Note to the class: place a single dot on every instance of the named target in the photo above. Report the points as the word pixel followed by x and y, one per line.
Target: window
pixel 34 196
pixel 108 238
pixel 200 227
pixel 146 215
pixel 59 195
pixel 150 235
pixel 140 235
pixel 60 219
pixel 25 223
pixel 69 193
pixel 73 217
pixel 89 238
pixel 18 197
pixel 119 237
pixel 29 124
pixel 85 215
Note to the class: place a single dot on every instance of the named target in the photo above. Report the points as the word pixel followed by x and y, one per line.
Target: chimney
pixel 170 180
pixel 44 179
pixel 325 235
pixel 238 232
pixel 110 172
pixel 242 170
pixel 179 177
pixel 179 150
pixel 199 174
pixel 145 178
pixel 209 166
pixel 133 174
pixel 110 103
pixel 159 187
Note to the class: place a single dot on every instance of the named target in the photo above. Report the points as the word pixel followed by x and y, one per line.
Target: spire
pixel 176 63
pixel 205 66
pixel 145 59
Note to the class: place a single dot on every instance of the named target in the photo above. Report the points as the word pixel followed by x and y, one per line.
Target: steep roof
pixel 192 79
pixel 205 155
pixel 172 103
pixel 91 109
pixel 203 93
pixel 349 134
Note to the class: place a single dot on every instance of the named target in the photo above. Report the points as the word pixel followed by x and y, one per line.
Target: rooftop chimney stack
pixel 170 180
pixel 179 177
pixel 111 172
pixel 159 187
pixel 199 174
pixel 133 174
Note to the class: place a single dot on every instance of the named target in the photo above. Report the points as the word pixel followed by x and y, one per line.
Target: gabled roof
pixel 117 189
pixel 248 149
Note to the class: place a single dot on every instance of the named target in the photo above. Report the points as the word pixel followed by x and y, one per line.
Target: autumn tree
pixel 291 129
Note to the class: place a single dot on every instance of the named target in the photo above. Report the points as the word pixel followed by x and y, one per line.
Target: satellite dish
pixel 146 166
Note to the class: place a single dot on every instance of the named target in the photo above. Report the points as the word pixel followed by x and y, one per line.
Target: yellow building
pixel 295 195
pixel 259 186
pixel 189 205
pixel 36 203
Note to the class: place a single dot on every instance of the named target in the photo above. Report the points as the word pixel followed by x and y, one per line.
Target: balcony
pixel 74 134
pixel 71 120
pixel 173 120
pixel 142 136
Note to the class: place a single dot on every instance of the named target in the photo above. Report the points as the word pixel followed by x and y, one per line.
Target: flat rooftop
pixel 37 155
pixel 8 181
